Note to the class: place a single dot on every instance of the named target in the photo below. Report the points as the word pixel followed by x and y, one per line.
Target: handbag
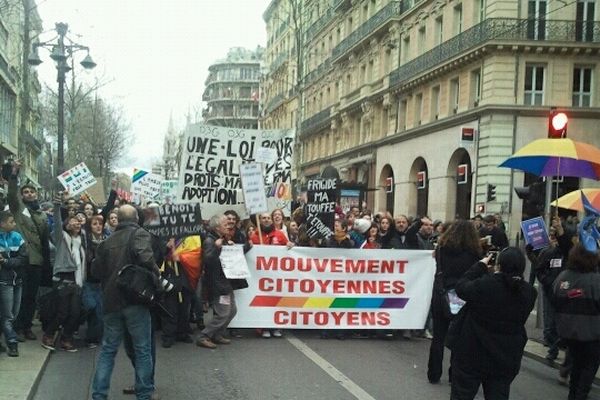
pixel 138 285
pixel 455 328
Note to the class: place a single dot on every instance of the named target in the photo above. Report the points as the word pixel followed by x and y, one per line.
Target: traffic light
pixel 533 197
pixel 491 192
pixel 557 124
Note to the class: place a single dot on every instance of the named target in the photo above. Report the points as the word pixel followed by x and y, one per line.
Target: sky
pixel 154 54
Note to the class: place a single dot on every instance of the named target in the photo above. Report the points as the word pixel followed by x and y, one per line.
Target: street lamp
pixel 60 53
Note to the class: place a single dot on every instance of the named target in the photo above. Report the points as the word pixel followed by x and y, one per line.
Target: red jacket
pixel 275 237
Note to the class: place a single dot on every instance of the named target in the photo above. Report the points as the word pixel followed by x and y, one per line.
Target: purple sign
pixel 535 233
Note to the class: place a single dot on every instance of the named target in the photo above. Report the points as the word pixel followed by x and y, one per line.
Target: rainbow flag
pixel 328 302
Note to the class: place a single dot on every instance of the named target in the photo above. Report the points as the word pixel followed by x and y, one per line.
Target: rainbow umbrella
pixel 557 157
pixel 573 200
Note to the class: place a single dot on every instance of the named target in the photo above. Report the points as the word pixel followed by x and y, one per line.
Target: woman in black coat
pixel 458 248
pixel 489 345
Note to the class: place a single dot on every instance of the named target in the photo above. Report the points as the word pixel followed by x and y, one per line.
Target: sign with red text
pixel 77 180
pixel 323 288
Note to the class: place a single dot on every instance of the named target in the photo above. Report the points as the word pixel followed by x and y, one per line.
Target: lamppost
pixel 60 53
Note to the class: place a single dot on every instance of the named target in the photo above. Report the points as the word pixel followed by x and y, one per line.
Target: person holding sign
pixel 220 289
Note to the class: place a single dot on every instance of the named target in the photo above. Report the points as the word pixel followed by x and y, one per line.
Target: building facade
pixel 420 101
pixel 21 133
pixel 231 90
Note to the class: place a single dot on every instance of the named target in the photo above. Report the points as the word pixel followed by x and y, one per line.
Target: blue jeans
pixel 10 301
pixel 137 322
pixel 91 299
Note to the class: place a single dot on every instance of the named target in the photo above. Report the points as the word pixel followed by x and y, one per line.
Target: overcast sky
pixel 155 53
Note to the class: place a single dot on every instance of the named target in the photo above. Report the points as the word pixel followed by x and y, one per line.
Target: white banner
pixel 318 288
pixel 210 162
pixel 77 180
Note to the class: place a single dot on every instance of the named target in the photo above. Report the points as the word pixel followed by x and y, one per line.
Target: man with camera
pixel 128 245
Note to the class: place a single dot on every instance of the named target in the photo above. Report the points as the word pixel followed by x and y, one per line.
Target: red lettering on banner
pixel 401 265
pixel 367 318
pixel 398 287
pixel 263 265
pixel 262 284
pixel 370 287
pixel 338 287
pixel 355 266
pixel 383 318
pixel 384 287
pixel 287 264
pixel 353 319
pixel 337 317
pixel 321 265
pixel 323 285
pixel 307 286
pixel 354 287
pixel 331 319
pixel 280 318
pixel 321 318
pixel 336 265
pixel 372 266
pixel 387 267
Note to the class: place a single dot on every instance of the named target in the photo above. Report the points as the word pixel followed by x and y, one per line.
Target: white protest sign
pixel 168 188
pixel 253 187
pixel 266 155
pixel 146 185
pixel 233 262
pixel 77 179
pixel 325 288
pixel 210 163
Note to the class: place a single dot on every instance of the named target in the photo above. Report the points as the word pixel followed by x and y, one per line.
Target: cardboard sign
pixel 320 207
pixel 145 186
pixel 317 288
pixel 173 220
pixel 210 166
pixel 253 187
pixel 168 189
pixel 535 233
pixel 77 180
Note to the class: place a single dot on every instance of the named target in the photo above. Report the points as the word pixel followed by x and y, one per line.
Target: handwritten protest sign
pixel 168 189
pixel 173 220
pixel 320 208
pixel 253 187
pixel 145 185
pixel 535 233
pixel 233 262
pixel 316 288
pixel 210 163
pixel 77 179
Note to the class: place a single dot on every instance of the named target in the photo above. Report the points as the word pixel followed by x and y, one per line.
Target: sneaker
pixel 48 342
pixel 92 345
pixel 427 334
pixel 206 342
pixel 67 345
pixel 266 334
pixel 221 340
pixel 277 333
pixel 129 390
pixel 29 335
pixel 13 349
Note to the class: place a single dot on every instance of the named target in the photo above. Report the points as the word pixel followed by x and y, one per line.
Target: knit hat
pixel 361 225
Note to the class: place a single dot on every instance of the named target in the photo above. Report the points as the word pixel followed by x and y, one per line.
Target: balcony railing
pixel 279 61
pixel 319 24
pixel 274 102
pixel 315 120
pixel 502 29
pixel 371 25
pixel 317 72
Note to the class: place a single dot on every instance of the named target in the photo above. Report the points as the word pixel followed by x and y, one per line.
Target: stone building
pixel 231 90
pixel 418 102
pixel 20 127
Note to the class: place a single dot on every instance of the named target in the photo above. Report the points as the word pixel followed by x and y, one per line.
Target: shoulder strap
pixel 130 246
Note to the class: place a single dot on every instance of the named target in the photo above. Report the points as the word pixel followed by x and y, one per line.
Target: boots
pixel 13 350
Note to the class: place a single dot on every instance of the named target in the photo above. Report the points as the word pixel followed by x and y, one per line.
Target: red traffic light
pixel 557 125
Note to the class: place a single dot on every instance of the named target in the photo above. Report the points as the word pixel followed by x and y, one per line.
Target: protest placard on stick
pixel 77 179
pixel 233 262
pixel 320 207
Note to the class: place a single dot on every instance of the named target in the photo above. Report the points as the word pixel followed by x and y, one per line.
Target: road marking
pixel 332 371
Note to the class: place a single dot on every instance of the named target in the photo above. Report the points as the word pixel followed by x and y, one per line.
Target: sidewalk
pixel 20 375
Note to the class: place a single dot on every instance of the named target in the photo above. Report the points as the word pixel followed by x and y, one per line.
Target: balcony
pixel 32 141
pixel 315 121
pixel 373 24
pixel 317 72
pixel 509 30
pixel 319 24
pixel 278 62
pixel 274 103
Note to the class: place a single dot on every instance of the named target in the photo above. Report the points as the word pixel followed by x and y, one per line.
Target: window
pixel 435 102
pixel 402 107
pixel 422 39
pixel 458 19
pixel 534 85
pixel 584 20
pixel 439 30
pixel 405 50
pixel 418 108
pixel 475 94
pixel 8 109
pixel 454 95
pixel 536 15
pixel 582 86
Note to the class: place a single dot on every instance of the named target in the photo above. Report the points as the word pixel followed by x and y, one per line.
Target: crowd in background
pixel 47 254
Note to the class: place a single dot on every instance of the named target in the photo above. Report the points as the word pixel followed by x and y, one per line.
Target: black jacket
pixel 493 335
pixel 550 263
pixel 114 253
pixel 452 264
pixel 214 278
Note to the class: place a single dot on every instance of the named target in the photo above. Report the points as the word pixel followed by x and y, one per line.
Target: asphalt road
pixel 299 366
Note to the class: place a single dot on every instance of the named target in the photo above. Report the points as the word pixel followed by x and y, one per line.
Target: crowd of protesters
pixel 60 260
